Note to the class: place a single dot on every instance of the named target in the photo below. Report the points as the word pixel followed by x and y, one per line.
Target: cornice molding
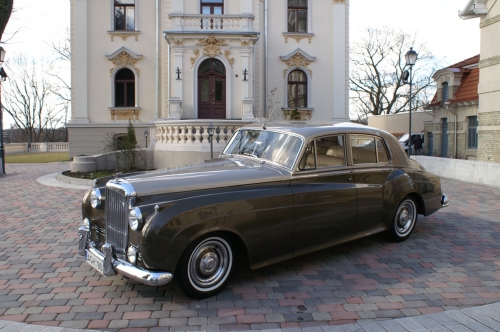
pixel 489 62
pixel 490 21
pixel 124 34
pixel 297 36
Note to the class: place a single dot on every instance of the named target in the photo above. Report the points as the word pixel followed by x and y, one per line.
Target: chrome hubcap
pixel 405 217
pixel 210 263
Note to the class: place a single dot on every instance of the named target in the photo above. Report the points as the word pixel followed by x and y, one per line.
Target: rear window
pixel 368 149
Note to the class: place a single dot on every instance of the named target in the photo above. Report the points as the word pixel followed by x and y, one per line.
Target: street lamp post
pixel 411 58
pixel 146 137
pixel 211 129
pixel 3 77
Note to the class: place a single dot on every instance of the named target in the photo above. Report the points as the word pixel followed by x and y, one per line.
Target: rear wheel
pixel 404 220
pixel 205 267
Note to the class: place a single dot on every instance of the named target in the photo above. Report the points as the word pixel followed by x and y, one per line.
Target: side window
pixel 297 15
pixel 330 152
pixel 124 14
pixel 124 88
pixel 367 149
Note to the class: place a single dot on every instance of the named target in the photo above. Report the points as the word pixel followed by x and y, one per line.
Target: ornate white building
pixel 174 66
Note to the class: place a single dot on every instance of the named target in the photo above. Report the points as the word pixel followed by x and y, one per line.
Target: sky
pixel 36 23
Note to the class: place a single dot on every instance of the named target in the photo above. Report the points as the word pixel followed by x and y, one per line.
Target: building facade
pixel 172 67
pixel 488 114
pixel 452 131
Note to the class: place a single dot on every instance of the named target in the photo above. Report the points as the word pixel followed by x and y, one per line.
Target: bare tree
pixel 29 99
pixel 377 65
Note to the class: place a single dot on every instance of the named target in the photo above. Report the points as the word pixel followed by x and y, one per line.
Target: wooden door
pixel 212 90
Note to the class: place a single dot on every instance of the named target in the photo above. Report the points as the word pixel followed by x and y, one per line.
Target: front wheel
pixel 205 266
pixel 404 220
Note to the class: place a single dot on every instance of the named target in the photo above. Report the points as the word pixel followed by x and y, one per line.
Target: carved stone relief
pixel 123 60
pixel 211 46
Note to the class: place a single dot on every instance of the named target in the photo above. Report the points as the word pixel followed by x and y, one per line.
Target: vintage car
pixel 274 193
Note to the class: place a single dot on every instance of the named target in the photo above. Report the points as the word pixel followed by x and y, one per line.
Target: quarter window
pixel 297 89
pixel 124 14
pixel 297 15
pixel 124 88
pixel 472 133
pixel 367 149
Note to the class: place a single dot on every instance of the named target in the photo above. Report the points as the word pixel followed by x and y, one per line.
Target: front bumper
pixel 108 266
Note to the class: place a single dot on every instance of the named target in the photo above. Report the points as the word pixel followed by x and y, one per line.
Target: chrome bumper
pixel 444 201
pixel 111 266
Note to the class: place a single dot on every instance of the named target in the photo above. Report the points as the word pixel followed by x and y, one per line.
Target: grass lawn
pixel 37 157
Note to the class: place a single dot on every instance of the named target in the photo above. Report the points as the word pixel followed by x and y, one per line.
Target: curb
pixel 63 178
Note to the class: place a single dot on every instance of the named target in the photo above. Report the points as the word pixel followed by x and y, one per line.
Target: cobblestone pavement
pixel 451 261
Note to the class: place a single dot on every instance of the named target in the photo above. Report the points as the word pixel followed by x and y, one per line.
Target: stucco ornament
pixel 297 59
pixel 124 58
pixel 196 56
pixel 211 46
pixel 227 54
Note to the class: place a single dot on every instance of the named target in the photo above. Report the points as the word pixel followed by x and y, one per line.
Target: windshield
pixel 280 148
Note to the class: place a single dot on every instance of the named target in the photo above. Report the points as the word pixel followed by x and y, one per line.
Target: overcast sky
pixel 35 23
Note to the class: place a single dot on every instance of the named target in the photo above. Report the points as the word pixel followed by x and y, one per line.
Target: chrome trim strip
pixel 128 270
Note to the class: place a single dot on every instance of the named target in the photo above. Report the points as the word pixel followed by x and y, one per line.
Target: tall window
pixel 214 7
pixel 297 15
pixel 124 14
pixel 124 88
pixel 297 89
pixel 472 133
pixel 446 91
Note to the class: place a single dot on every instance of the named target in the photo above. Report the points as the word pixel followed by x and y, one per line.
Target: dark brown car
pixel 274 193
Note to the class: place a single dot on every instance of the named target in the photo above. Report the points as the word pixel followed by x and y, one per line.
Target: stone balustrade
pixel 12 148
pixel 195 132
pixel 198 22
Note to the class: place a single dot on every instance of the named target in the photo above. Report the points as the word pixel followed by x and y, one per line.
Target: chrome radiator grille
pixel 117 221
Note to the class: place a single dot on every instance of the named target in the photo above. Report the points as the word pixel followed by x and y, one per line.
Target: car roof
pixel 310 130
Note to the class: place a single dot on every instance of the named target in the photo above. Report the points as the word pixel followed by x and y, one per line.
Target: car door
pixel 323 194
pixel 371 168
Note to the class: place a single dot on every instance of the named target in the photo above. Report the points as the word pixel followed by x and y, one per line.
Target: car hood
pixel 215 173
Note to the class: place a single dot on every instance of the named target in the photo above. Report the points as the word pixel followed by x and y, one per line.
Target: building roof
pixel 467 90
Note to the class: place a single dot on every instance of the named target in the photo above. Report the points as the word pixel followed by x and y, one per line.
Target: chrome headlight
pixel 96 198
pixel 86 222
pixel 135 219
pixel 132 254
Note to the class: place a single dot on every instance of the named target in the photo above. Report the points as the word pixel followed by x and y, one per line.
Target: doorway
pixel 212 90
pixel 444 137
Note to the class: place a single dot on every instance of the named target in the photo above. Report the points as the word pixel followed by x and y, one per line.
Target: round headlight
pixel 132 254
pixel 86 222
pixel 135 219
pixel 96 198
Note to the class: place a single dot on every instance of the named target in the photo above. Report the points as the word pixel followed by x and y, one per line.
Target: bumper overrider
pixel 444 201
pixel 108 266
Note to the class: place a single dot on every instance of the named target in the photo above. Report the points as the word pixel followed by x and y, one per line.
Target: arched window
pixel 297 89
pixel 124 14
pixel 124 88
